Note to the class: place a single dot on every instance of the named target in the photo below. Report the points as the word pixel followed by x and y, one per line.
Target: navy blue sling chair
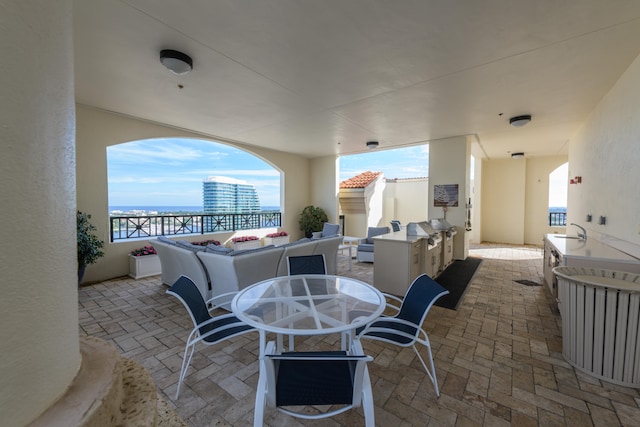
pixel 207 329
pixel 405 328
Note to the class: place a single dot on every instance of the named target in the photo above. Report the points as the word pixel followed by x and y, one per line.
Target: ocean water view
pixel 156 210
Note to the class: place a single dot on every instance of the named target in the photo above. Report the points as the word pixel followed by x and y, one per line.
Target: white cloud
pixel 232 172
pixel 165 151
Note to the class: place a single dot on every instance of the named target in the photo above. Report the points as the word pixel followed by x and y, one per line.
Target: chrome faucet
pixel 584 232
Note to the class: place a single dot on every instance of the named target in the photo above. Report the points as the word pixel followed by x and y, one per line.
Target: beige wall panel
pixel 503 200
pixel 324 183
pixel 412 200
pixel 96 130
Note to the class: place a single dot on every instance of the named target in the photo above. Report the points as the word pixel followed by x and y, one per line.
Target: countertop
pixel 401 236
pixel 591 248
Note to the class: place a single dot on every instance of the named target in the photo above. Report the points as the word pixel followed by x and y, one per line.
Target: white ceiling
pixel 317 78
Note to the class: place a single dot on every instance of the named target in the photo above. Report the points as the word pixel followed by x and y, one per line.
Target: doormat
pixel 455 279
pixel 528 282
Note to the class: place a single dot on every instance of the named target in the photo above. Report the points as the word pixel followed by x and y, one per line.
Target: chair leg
pixel 261 398
pixel 291 342
pixel 367 401
pixel 185 365
pixel 431 373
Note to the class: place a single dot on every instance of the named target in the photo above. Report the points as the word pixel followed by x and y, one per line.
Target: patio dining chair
pixel 206 329
pixel 306 264
pixel 291 381
pixel 364 252
pixel 405 328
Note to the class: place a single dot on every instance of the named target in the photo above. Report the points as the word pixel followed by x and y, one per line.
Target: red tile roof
pixel 360 181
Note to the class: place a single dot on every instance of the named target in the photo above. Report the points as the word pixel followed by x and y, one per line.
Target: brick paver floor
pixel 498 357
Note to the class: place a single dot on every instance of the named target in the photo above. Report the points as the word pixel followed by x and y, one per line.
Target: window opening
pixel 558 186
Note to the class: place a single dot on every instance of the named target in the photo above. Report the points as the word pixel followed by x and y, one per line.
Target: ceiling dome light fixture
pixel 177 62
pixel 519 121
pixel 517 155
pixel 372 144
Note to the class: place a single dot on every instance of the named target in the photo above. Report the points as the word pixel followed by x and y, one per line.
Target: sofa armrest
pixel 329 247
pixel 221 272
pixel 169 264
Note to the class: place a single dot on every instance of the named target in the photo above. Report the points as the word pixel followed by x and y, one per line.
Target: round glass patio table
pixel 308 304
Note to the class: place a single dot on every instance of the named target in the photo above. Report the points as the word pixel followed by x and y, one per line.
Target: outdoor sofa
pixel 217 270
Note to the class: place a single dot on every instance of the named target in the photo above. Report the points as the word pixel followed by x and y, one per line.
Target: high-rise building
pixel 222 194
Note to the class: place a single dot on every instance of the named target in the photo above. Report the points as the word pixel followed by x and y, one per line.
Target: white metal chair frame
pixel 378 326
pixel 229 321
pixel 267 383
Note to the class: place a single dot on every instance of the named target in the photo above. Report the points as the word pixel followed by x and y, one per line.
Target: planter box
pixel 144 266
pixel 278 241
pixel 251 244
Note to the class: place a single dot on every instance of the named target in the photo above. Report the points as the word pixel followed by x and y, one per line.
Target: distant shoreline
pixel 168 209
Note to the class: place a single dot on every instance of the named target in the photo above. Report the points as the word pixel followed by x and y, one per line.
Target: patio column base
pixel 109 390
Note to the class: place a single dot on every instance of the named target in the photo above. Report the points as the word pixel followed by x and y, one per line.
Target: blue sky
pixel 169 172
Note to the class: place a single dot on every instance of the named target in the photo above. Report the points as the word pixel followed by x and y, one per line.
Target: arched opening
pixel 558 185
pixel 172 177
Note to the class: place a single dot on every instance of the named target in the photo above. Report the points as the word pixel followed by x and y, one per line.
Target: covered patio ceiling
pixel 319 78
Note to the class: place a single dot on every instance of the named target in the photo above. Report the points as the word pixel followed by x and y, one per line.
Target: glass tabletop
pixel 308 304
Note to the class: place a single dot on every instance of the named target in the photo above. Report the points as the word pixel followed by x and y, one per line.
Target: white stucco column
pixel 38 308
pixel 450 163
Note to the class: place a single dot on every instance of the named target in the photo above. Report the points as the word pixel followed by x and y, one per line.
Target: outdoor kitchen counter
pixel 400 258
pixel 591 249
pixel 592 253
pixel 399 236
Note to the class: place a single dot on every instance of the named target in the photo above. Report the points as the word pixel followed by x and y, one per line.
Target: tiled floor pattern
pixel 498 357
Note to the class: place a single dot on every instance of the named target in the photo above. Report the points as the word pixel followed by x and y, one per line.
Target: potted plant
pixel 144 262
pixel 245 242
pixel 281 238
pixel 89 245
pixel 312 219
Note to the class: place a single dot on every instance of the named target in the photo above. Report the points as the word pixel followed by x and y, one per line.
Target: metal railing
pixel 557 219
pixel 135 227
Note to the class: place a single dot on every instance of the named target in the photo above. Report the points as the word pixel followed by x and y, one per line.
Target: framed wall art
pixel 445 195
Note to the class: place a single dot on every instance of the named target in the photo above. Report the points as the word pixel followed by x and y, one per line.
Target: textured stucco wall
pixel 96 130
pixel 38 273
pixel 606 153
pixel 411 201
pixel 515 199
pixel 503 200
pixel 324 185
